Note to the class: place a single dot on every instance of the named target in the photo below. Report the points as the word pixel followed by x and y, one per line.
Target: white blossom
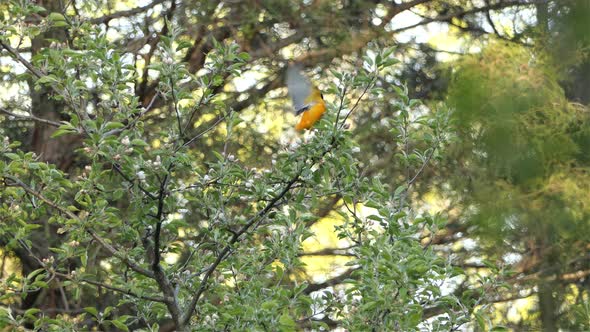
pixel 140 175
pixel 158 161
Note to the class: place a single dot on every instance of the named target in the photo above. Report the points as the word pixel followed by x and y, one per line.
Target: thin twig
pixel 31 117
pixel 342 96
pixel 413 179
pixel 447 17
pixel 175 104
pixel 114 288
pixel 199 135
pixel 125 13
pixel 22 60
pixel 357 101
pixel 118 169
pixel 135 118
pixel 490 21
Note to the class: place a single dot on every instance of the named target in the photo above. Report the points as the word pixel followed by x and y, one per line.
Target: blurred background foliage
pixel 512 182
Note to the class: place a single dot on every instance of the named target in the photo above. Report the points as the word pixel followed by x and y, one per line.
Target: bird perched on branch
pixel 307 99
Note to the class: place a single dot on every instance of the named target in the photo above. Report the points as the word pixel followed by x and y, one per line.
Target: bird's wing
pixel 299 87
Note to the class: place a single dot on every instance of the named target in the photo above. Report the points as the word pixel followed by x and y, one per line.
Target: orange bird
pixel 307 99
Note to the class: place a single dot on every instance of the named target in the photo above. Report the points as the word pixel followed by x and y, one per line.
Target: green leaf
pixel 56 17
pixel 287 323
pixel 120 325
pixel 268 305
pixel 244 56
pixel 12 156
pixel 64 129
pixel 40 284
pixel 60 24
pixel 184 44
pixel 30 313
pixel 399 190
pixel 35 273
pixel 92 311
pixel 138 142
pixel 113 125
pixel 480 320
pixel 47 79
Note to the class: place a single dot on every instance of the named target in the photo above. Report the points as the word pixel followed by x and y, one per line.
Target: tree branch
pixel 30 117
pixel 114 288
pixel 199 135
pixel 161 278
pixel 329 252
pixel 125 13
pixel 447 17
pixel 235 237
pixel 22 60
pixel 330 282
pixel 119 171
pixel 112 250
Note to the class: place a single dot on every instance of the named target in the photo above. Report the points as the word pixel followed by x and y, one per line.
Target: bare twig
pixel 199 135
pixel 114 288
pixel 341 105
pixel 329 252
pixel 490 21
pixel 136 118
pixel 118 169
pixel 357 102
pixel 30 117
pixel 423 166
pixel 447 17
pixel 22 60
pixel 330 282
pixel 175 105
pixel 125 13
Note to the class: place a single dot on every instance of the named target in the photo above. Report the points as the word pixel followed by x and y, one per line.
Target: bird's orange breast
pixel 311 116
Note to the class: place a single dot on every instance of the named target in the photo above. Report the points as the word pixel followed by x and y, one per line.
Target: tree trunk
pixel 547 306
pixel 58 151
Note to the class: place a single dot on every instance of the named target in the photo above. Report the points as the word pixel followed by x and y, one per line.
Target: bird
pixel 308 100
